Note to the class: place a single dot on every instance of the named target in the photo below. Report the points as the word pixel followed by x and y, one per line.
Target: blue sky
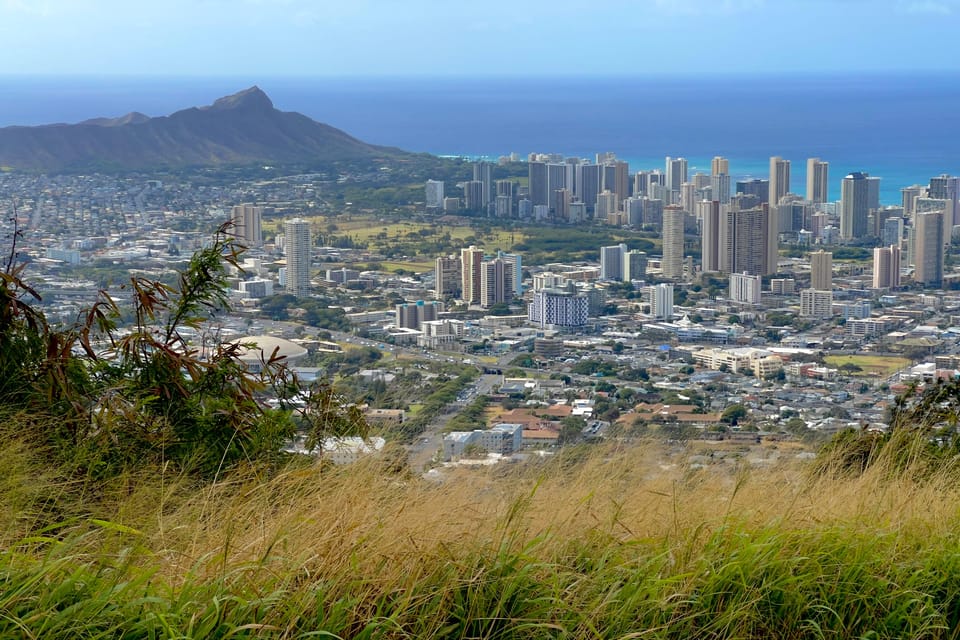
pixel 482 37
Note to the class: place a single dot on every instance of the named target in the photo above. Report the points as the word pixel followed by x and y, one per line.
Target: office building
pixel 854 206
pixel 928 248
pixel 821 270
pixel 673 222
pixel 779 179
pixel 434 194
pixel 606 205
pixel 818 188
pixel 470 259
pixel 297 244
pixel 247 220
pixel 745 288
pixel 448 278
pixel 886 267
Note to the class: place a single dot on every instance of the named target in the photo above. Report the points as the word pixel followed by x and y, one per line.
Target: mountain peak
pixel 253 98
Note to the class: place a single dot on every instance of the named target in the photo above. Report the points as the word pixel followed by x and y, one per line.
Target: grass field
pixel 598 543
pixel 872 366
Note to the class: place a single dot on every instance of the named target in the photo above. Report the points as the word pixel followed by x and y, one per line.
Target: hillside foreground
pixel 643 541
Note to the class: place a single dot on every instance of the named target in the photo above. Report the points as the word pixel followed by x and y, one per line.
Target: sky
pixel 480 37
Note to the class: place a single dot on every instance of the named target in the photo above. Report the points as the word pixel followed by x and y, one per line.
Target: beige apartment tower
pixel 817 180
pixel 719 166
pixel 470 288
pixel 672 264
pixel 928 248
pixel 247 220
pixel 886 267
pixel 821 270
pixel 779 179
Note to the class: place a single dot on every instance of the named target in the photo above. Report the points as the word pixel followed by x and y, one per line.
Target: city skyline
pixel 298 37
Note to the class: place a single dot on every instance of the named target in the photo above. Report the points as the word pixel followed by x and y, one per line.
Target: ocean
pixel 904 128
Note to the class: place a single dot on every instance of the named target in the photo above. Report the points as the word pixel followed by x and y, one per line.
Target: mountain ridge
pixel 239 129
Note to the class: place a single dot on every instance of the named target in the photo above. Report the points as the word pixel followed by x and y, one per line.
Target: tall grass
pixel 626 543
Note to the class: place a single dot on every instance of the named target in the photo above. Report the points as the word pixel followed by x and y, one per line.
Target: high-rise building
pixel 448 278
pixel 672 263
pixel 483 173
pixel 817 180
pixel 634 265
pixel 676 174
pixel 720 188
pixel 779 179
pixel 470 259
pixel 743 241
pixel 709 215
pixel 611 262
pixel 745 288
pixel 434 194
pixel 296 233
pixel 755 187
pixel 688 197
pixel 616 178
pixel 473 196
pixel 504 206
pixel 496 282
pixel 821 270
pixel 556 180
pixel 719 166
pixel 886 267
pixel 816 304
pixel 928 248
pixel 854 206
pixel 537 176
pixel 517 261
pixel 247 220
pixel 412 316
pixel 558 307
pixel 606 205
pixel 892 231
pixel 909 196
pixel 586 186
pixel 661 301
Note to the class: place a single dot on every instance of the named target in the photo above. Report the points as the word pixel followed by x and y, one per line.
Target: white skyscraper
pixel 297 245
pixel 434 191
